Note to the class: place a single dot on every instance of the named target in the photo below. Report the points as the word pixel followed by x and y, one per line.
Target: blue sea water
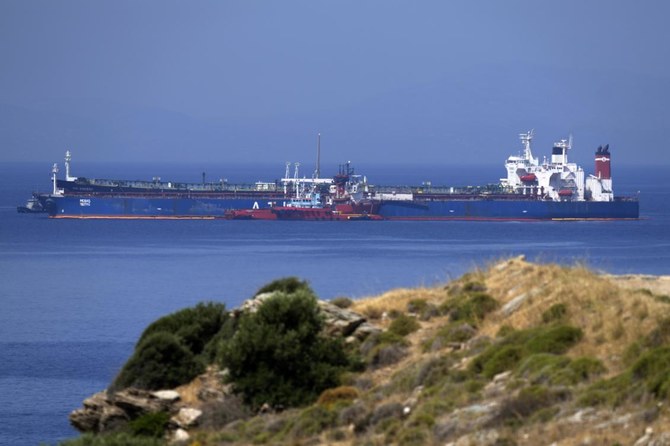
pixel 76 294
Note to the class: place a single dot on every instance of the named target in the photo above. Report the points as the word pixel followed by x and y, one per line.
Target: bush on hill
pixel 175 348
pixel 195 326
pixel 288 285
pixel 278 354
pixel 161 361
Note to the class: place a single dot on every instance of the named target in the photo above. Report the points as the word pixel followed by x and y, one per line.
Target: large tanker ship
pixel 531 190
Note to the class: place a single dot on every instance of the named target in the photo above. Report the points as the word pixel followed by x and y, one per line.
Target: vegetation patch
pixel 404 325
pixel 452 333
pixel 287 285
pixel 528 402
pixel 555 313
pixel 118 439
pixel 548 368
pixel 161 361
pixel 279 356
pixel 471 306
pixel 342 302
pixel 384 349
pixel 342 394
pixel 174 349
pixel 150 424
pixel 507 353
pixel 313 421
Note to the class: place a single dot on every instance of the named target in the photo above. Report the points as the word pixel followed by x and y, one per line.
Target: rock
pixel 112 419
pixel 445 430
pixel 646 438
pixel 180 435
pixel 105 412
pixel 514 304
pixel 661 440
pixel 169 396
pixel 364 330
pixel 187 417
pixel 136 402
pixel 502 376
pixel 99 414
pixel 586 414
pixel 481 438
pixel 340 321
pixel 384 411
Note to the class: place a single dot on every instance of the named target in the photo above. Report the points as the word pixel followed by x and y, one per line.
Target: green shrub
pixel 417 305
pixel 314 420
pixel 612 392
pixel 474 287
pixel 118 439
pixel 150 424
pixel 161 361
pixel 278 354
pixel 518 345
pixel 404 325
pixel 456 332
pixel 559 370
pixel 194 326
pixel 288 285
pixel 342 394
pixel 342 302
pixel 501 360
pixel 529 401
pixel 556 312
pixel 471 307
pixel 632 353
pixel 659 335
pixel 384 349
pixel 586 368
pixel 414 436
pixel 555 340
pixel 653 370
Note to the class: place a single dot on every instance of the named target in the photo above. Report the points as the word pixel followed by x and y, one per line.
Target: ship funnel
pixel 603 166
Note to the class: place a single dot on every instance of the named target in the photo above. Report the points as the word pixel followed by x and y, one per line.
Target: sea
pixel 76 294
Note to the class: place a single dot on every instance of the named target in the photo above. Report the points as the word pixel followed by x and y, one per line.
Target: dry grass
pixel 612 313
pixel 396 300
pixel 610 316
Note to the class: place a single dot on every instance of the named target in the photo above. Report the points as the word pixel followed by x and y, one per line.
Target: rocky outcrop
pixel 338 321
pixel 109 412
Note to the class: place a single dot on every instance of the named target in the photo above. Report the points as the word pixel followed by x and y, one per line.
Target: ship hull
pixel 508 210
pixel 474 209
pixel 154 208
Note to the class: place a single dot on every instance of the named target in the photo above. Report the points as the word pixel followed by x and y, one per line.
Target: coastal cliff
pixel 516 353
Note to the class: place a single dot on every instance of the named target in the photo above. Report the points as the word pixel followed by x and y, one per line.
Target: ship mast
pixel 526 138
pixel 68 158
pixel 317 172
pixel 54 171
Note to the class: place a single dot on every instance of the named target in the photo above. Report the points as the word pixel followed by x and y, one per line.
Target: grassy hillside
pixel 515 353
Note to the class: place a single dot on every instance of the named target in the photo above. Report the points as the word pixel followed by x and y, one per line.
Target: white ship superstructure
pixel 557 179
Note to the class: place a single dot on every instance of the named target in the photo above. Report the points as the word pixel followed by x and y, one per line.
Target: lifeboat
pixel 565 193
pixel 529 177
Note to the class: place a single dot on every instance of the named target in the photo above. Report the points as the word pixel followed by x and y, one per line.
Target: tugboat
pixel 32 206
pixel 307 206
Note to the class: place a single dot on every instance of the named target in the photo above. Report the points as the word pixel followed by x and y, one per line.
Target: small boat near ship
pixel 554 189
pixel 33 206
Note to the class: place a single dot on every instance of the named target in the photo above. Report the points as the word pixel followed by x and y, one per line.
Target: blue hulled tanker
pixel 553 189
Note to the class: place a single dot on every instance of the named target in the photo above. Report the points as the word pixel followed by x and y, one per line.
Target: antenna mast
pixel 317 173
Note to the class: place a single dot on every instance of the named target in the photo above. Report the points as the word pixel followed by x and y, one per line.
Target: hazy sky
pixel 441 82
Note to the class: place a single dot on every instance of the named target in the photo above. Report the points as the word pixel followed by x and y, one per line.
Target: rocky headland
pixel 516 353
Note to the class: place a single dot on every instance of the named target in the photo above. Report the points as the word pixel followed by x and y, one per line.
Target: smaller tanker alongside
pixel 551 189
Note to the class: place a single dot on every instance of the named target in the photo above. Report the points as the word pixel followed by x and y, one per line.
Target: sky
pixel 393 82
